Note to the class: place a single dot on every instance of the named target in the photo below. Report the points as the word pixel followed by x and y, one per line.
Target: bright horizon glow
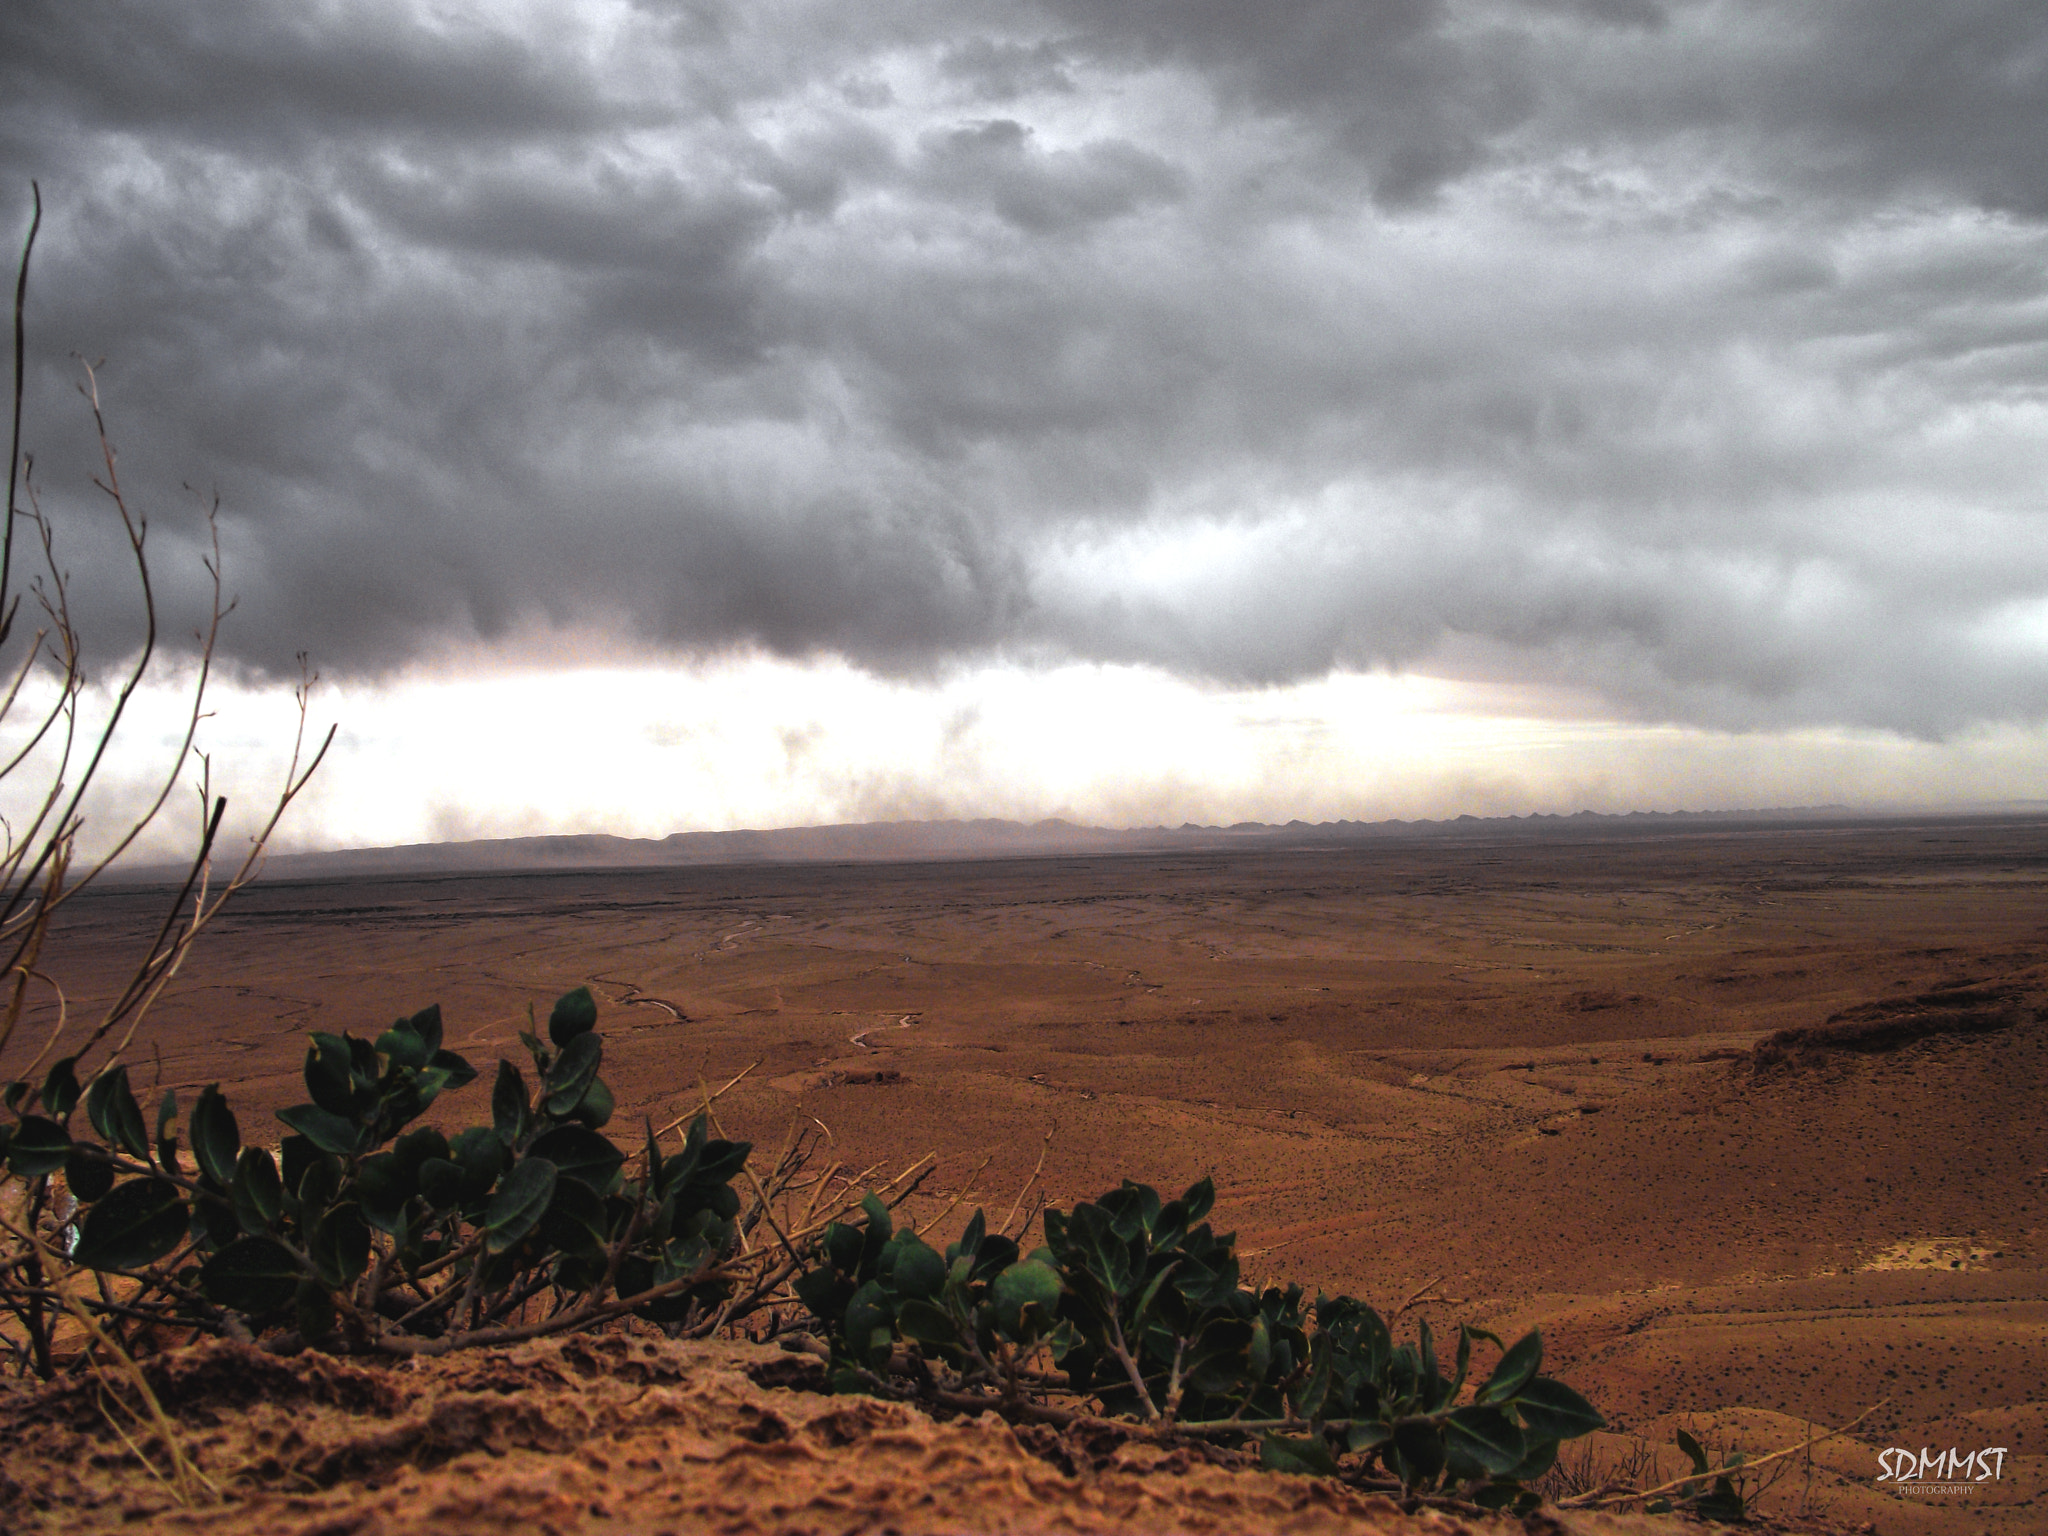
pixel 451 753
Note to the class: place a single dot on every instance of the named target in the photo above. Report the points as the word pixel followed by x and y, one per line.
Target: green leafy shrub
pixel 1138 1305
pixel 1719 1493
pixel 365 1231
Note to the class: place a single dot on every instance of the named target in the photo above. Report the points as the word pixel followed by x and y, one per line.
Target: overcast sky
pixel 1428 407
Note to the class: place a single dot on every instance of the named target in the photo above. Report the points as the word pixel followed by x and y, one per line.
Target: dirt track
pixel 1523 1066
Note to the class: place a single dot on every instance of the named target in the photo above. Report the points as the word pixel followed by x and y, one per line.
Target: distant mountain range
pixel 912 841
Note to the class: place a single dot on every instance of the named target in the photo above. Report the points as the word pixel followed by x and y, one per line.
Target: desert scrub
pixel 1133 1307
pixel 365 1233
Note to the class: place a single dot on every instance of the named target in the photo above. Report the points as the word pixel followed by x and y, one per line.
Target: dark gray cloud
pixel 1696 353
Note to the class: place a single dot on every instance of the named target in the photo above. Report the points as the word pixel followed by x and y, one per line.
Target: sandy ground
pixel 1522 1069
pixel 621 1435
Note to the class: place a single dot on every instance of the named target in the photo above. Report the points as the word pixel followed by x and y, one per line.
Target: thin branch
pixel 1629 1495
pixel 709 1099
pixel 954 1204
pixel 1421 1296
pixel 14 449
pixel 1043 1147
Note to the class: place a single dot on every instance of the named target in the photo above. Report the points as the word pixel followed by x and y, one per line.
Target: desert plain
pixel 1529 1080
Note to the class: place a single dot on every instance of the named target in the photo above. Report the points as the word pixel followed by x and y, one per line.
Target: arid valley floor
pixel 1520 1068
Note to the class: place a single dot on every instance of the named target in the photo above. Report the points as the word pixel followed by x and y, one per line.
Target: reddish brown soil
pixel 1523 1066
pixel 622 1435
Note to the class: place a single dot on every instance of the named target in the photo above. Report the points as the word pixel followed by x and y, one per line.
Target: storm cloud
pixel 1692 353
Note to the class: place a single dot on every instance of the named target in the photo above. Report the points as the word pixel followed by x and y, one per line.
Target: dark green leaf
pixel 1552 1410
pixel 1025 1297
pixel 166 1117
pixel 719 1161
pixel 383 1186
pixel 1098 1250
pixel 330 1078
pixel 869 1325
pixel 255 1276
pixel 581 1153
pixel 843 1248
pixel 1539 1455
pixel 1516 1367
pixel 340 1246
pixel 574 1221
pixel 917 1270
pixel 134 1225
pixel 1722 1503
pixel 1133 1209
pixel 1306 1458
pixel 318 1185
pixel 216 1139
pixel 508 1104
pixel 216 1216
pixel 1313 1394
pixel 1215 1357
pixel 327 1131
pixel 880 1224
pixel 651 1156
pixel 296 1154
pixel 403 1047
pixel 823 1292
pixel 481 1157
pixel 581 1272
pixel 441 1183
pixel 1694 1453
pixel 573 1073
pixel 918 1320
pixel 427 1025
pixel 87 1176
pixel 597 1105
pixel 110 1105
pixel 680 1169
pixel 518 1203
pixel 1487 1436
pixel 575 1014
pixel 977 1229
pixel 1497 1495
pixel 460 1072
pixel 60 1087
pixel 1463 1366
pixel 39 1147
pixel 1368 1436
pixel 1258 1356
pixel 415 1147
pixel 1149 1298
pixel 1418 1452
pixel 257 1192
pixel 1432 1379
pixel 362 1066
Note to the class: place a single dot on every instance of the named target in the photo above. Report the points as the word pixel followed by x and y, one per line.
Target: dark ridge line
pixel 921 841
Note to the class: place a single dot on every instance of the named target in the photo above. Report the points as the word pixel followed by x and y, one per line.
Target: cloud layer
pixel 1696 354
